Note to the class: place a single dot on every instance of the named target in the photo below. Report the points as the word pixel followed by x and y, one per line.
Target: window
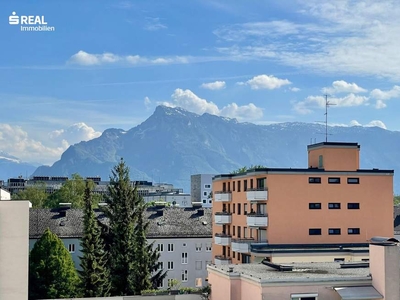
pixel 261 183
pixel 224 186
pixel 184 244
pixel 160 247
pixel 314 231
pixel 239 209
pixel 238 185
pixel 161 265
pixel 198 264
pixel 353 230
pixel 334 205
pixel 233 186
pixel 199 282
pixel 245 208
pixel 233 230
pixel 209 201
pixel 320 161
pixel 338 259
pixel 208 186
pixel 245 185
pixel 238 257
pixel 239 229
pixel 170 265
pixel 334 231
pixel 353 205
pixel 353 180
pixel 334 180
pixel 204 193
pixel 229 186
pixel 160 284
pixel 208 247
pixel 71 248
pixel 251 183
pixel 170 282
pixel 204 201
pixel 303 296
pixel 184 275
pixel 233 208
pixel 233 254
pixel 198 247
pixel 184 258
pixel 314 205
pixel 170 247
pixel 314 179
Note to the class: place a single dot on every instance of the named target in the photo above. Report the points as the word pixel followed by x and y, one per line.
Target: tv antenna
pixel 327 104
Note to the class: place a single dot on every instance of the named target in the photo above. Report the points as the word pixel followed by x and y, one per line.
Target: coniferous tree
pixel 121 235
pixel 52 272
pixel 94 274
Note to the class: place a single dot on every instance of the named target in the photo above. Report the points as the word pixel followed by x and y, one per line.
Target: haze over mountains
pixel 10 166
pixel 173 143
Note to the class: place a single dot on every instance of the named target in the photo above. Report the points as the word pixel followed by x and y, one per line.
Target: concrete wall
pixel 14 249
pixel 4 195
pixel 311 257
pixel 199 190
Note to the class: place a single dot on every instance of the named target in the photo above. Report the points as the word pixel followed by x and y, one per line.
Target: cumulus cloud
pixel 269 82
pixel 355 123
pixel 190 101
pixel 373 123
pixel 294 89
pixel 74 134
pixel 216 85
pixel 382 96
pixel 83 58
pixel 16 141
pixel 147 102
pixel 341 86
pixel 312 102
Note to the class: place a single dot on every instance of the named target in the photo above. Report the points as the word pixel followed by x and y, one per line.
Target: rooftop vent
pixel 200 212
pixel 277 267
pixel 204 223
pixel 197 204
pixel 160 213
pixel 354 265
pixel 380 240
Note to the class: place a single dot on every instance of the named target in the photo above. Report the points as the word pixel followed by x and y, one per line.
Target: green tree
pixel 36 194
pixel 121 235
pixel 245 169
pixel 72 191
pixel 396 200
pixel 95 276
pixel 51 270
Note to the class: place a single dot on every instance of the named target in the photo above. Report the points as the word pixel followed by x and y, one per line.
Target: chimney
pixel 63 209
pixel 384 264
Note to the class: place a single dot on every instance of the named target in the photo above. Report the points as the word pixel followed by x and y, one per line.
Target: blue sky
pixel 109 64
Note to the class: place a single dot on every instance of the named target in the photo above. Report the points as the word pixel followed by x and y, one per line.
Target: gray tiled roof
pixel 172 222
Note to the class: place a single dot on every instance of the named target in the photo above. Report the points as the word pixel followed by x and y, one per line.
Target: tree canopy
pixel 52 272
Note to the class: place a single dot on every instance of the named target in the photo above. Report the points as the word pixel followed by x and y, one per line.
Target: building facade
pixel 14 249
pixel 4 195
pixel 331 204
pixel 182 236
pixel 201 189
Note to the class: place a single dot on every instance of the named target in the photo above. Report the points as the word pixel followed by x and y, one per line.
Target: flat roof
pixel 308 248
pixel 358 293
pixel 301 271
pixel 334 144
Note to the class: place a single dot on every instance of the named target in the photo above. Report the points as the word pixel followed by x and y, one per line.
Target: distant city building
pixel 182 236
pixel 201 189
pixel 14 250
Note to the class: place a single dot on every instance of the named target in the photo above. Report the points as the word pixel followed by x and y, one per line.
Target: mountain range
pixel 174 143
pixel 11 166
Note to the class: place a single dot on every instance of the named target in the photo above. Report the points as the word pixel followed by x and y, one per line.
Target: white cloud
pixel 74 134
pixel 83 58
pixel 190 101
pixel 341 86
pixel 382 96
pixel 147 102
pixel 154 24
pixel 376 123
pixel 312 102
pixel 294 89
pixel 350 37
pixel 16 141
pixel 216 85
pixel 373 123
pixel 269 82
pixel 354 123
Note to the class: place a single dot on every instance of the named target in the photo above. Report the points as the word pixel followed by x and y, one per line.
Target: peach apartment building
pixel 328 210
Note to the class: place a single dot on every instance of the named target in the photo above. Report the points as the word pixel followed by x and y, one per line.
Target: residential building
pixel 14 249
pixel 378 279
pixel 4 195
pixel 332 204
pixel 182 235
pixel 201 189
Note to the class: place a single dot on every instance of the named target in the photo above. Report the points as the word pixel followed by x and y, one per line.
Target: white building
pixel 201 188
pixel 4 195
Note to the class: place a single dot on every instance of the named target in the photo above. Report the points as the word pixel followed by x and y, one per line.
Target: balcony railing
pixel 222 239
pixel 241 245
pixel 257 220
pixel 221 218
pixel 222 260
pixel 258 194
pixel 222 196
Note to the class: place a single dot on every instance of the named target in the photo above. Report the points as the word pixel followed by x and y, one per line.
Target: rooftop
pixel 334 144
pixel 329 271
pixel 170 222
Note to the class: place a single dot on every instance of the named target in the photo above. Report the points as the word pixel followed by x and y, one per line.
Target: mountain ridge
pixel 174 143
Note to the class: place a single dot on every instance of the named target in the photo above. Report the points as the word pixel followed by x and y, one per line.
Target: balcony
pixel 222 196
pixel 256 195
pixel 257 220
pixel 222 260
pixel 241 245
pixel 222 239
pixel 222 218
